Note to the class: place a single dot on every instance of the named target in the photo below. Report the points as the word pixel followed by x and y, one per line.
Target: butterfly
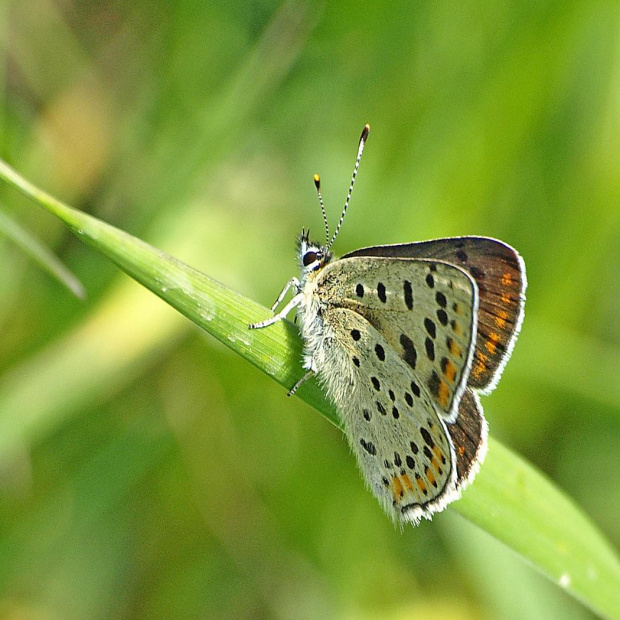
pixel 403 338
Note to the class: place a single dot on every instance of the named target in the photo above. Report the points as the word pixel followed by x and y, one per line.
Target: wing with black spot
pixel 499 272
pixel 401 444
pixel 426 310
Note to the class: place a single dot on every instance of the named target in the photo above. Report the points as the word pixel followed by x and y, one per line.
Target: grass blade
pixel 40 254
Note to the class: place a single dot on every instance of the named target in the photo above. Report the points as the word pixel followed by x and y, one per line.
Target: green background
pixel 155 473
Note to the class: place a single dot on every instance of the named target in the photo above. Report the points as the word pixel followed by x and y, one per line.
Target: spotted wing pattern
pixel 499 273
pixel 400 441
pixel 425 310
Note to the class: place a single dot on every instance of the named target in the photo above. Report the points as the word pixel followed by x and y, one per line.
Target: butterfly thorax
pixel 312 259
pixel 320 348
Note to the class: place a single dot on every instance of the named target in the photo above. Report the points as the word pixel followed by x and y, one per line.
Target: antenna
pixel 317 184
pixel 360 150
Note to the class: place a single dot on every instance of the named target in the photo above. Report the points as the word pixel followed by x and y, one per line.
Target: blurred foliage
pixel 165 477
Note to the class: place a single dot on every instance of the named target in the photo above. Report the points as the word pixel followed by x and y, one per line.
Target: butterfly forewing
pixel 400 442
pixel 425 310
pixel 499 273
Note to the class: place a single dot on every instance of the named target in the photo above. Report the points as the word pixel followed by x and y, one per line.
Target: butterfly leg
pixel 281 315
pixel 292 282
pixel 307 376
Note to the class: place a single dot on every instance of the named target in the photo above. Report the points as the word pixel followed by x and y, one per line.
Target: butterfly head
pixel 312 255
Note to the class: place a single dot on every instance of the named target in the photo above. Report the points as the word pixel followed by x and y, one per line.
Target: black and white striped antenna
pixel 317 183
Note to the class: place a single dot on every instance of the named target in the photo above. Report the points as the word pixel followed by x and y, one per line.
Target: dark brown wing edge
pixel 469 435
pixel 499 272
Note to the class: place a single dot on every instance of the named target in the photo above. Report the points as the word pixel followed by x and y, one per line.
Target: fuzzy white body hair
pixel 322 354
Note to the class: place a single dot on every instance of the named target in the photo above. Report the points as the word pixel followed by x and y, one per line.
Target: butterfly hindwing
pixel 425 310
pixel 499 273
pixel 400 442
pixel 469 437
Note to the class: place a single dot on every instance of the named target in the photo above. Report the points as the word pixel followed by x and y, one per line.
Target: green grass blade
pixel 509 499
pixel 517 504
pixel 40 254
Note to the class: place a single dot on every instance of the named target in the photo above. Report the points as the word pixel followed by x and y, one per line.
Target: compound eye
pixel 309 258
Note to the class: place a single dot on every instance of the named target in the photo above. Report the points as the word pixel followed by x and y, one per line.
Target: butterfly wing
pixel 426 311
pixel 401 444
pixel 499 272
pixel 469 437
